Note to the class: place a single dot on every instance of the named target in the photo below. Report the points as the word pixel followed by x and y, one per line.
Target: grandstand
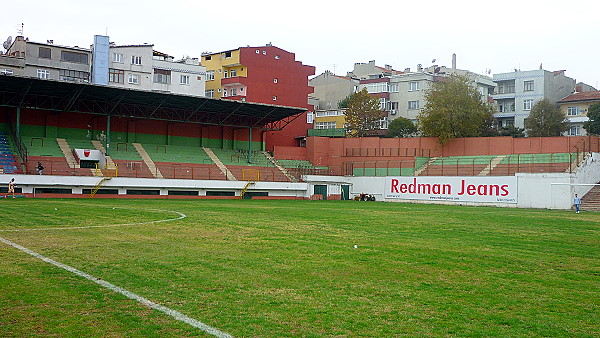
pixel 159 136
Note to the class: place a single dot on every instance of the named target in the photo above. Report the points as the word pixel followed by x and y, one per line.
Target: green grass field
pixel 257 268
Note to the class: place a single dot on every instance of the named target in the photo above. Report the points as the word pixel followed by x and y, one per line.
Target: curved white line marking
pixel 181 216
pixel 175 314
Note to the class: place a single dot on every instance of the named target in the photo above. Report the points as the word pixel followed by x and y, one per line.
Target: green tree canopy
pixel 343 103
pixel 363 114
pixel 401 127
pixel 593 125
pixel 545 119
pixel 511 131
pixel 454 109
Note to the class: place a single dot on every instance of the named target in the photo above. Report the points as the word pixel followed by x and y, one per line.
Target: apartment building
pixel 517 92
pixel 143 68
pixel 575 107
pixel 264 74
pixel 47 61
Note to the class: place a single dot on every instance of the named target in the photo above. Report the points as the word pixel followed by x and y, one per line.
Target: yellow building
pixel 575 108
pixel 329 123
pixel 224 65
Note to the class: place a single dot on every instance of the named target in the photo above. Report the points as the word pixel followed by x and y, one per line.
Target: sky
pixel 487 36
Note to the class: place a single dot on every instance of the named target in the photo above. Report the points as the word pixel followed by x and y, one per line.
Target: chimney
pixel 388 67
pixel 454 61
pixel 419 67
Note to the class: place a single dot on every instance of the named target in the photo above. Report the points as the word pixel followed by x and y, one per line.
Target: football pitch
pixel 260 268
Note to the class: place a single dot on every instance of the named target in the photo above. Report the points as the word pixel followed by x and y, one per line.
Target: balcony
pixel 234 81
pixel 337 132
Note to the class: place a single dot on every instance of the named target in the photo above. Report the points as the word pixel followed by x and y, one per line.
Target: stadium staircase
pixel 493 164
pixel 425 166
pixel 110 164
pixel 220 164
pixel 278 166
pixel 147 160
pixel 67 152
pixel 591 200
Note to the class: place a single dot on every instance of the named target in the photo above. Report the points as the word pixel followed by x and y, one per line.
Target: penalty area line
pixel 175 314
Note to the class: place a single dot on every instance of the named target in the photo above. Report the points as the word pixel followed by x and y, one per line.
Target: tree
pixel 454 109
pixel 401 127
pixel 511 131
pixel 363 114
pixel 343 103
pixel 546 119
pixel 593 125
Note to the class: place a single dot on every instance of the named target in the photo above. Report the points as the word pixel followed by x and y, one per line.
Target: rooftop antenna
pixel 20 31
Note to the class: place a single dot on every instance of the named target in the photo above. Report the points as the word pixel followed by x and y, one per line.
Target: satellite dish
pixel 7 43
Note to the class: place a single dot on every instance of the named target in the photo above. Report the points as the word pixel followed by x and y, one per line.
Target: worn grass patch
pixel 289 268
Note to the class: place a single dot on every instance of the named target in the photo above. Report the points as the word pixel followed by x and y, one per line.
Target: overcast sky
pixel 332 35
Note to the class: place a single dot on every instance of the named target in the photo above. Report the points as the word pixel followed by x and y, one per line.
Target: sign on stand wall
pixel 485 189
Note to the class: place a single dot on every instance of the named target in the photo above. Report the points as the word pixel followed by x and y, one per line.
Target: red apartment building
pixel 267 75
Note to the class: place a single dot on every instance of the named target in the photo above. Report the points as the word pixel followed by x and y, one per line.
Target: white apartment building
pixel 141 67
pixel 517 92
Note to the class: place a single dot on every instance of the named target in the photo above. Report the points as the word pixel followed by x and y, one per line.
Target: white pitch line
pixel 175 314
pixel 181 216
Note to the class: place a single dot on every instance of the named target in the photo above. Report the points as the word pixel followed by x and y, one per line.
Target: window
pixel 136 60
pixel 118 57
pixel 184 79
pixel 528 86
pixel 224 92
pixel 74 57
pixel 210 75
pixel 264 52
pixel 233 92
pixel 413 86
pixel 413 104
pixel 572 111
pixel 527 104
pixel 73 76
pixel 275 80
pixel 6 71
pixel 233 73
pixel 574 131
pixel 225 73
pixel 378 87
pixel 133 79
pixel 209 93
pixel 162 76
pixel 45 53
pixel 208 58
pixel 274 98
pixel 43 74
pixel 276 57
pixel 325 125
pixel 116 76
pixel 393 87
pixel 257 51
pixel 227 55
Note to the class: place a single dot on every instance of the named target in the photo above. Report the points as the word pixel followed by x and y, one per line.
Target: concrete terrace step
pixel 220 164
pixel 591 200
pixel 147 160
pixel 67 152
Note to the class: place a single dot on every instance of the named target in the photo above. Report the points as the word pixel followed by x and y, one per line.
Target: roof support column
pixel 18 123
pixel 250 145
pixel 108 135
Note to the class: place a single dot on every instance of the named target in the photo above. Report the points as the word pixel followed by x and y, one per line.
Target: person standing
pixel 40 168
pixel 577 203
pixel 11 188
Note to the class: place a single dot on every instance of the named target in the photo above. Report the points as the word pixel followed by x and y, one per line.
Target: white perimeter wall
pixel 546 191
